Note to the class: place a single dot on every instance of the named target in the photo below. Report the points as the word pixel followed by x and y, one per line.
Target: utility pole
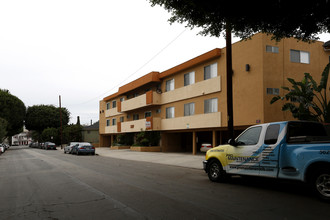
pixel 61 120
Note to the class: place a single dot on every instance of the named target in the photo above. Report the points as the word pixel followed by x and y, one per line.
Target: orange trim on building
pixel 148 78
pixel 193 62
pixel 149 97
pixel 118 126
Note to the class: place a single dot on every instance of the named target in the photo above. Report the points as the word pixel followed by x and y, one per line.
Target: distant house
pixel 91 134
pixel 21 138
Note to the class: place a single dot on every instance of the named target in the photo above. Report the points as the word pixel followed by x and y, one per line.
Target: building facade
pixel 187 103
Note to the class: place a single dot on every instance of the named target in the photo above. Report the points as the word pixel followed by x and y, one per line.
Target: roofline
pixel 143 80
pixel 193 62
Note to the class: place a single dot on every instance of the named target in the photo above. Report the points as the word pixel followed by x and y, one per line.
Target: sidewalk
pixel 175 159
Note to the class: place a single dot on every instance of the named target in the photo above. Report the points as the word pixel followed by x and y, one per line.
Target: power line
pixel 151 59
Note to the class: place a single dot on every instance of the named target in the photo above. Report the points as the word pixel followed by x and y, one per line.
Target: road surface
pixel 48 184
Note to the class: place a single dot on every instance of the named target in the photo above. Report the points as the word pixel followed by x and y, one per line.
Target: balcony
pixel 110 129
pixel 208 120
pixel 148 123
pixel 147 99
pixel 197 89
pixel 111 112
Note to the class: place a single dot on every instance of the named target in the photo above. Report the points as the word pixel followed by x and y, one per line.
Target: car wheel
pixel 321 184
pixel 64 151
pixel 215 171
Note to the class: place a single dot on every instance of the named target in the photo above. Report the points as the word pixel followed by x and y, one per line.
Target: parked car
pixel 205 147
pixel 83 148
pixel 2 148
pixel 34 145
pixel 68 149
pixel 49 145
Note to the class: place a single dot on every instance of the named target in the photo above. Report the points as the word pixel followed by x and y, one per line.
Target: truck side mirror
pixel 232 142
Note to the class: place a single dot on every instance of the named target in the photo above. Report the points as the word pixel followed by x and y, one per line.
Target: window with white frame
pixel 108 122
pixel 169 85
pixel 271 49
pixel 114 104
pixel 147 114
pixel 108 105
pixel 135 117
pixel 211 105
pixel 210 71
pixel 273 91
pixel 189 78
pixel 189 109
pixel 114 121
pixel 298 56
pixel 170 112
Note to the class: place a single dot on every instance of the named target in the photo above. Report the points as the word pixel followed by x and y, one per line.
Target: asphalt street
pixel 48 184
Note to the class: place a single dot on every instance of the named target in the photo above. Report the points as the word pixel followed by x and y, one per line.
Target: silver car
pixel 68 149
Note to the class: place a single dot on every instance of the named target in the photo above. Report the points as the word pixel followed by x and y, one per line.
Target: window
pixel 189 109
pixel 273 91
pixel 170 112
pixel 122 99
pixel 121 119
pixel 298 56
pixel 147 114
pixel 249 137
pixel 189 78
pixel 108 122
pixel 210 71
pixel 211 105
pixel 114 104
pixel 158 111
pixel 169 85
pixel 113 121
pixel 135 117
pixel 271 49
pixel 108 105
pixel 272 134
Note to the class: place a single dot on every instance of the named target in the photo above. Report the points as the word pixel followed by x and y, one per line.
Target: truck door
pixel 244 159
pixel 270 150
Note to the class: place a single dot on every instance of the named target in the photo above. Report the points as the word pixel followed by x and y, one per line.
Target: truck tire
pixel 215 171
pixel 321 184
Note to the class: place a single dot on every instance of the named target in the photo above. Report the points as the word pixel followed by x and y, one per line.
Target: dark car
pixel 83 149
pixel 49 145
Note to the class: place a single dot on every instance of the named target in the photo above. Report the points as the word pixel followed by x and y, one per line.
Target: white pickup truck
pixel 296 150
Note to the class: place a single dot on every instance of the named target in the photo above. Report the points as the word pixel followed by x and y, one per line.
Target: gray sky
pixel 84 50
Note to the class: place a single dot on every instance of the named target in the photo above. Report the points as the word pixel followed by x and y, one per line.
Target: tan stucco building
pixel 187 103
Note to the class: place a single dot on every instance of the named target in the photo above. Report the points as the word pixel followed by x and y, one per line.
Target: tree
pixel 72 133
pixel 13 111
pixel 40 117
pixel 307 100
pixel 245 18
pixel 3 129
pixel 50 134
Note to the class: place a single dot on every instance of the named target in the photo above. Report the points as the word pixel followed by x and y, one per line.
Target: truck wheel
pixel 321 184
pixel 215 171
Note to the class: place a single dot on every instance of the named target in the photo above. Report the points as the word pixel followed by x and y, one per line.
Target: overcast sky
pixel 84 50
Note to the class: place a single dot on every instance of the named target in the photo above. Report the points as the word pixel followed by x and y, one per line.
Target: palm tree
pixel 308 101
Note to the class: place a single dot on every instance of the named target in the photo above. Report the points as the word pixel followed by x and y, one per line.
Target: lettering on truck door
pixel 269 163
pixel 244 158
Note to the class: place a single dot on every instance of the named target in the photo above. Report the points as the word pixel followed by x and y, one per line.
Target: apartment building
pixel 187 103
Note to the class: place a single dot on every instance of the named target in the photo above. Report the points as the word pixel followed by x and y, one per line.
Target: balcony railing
pixel 197 89
pixel 149 123
pixel 149 98
pixel 208 120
